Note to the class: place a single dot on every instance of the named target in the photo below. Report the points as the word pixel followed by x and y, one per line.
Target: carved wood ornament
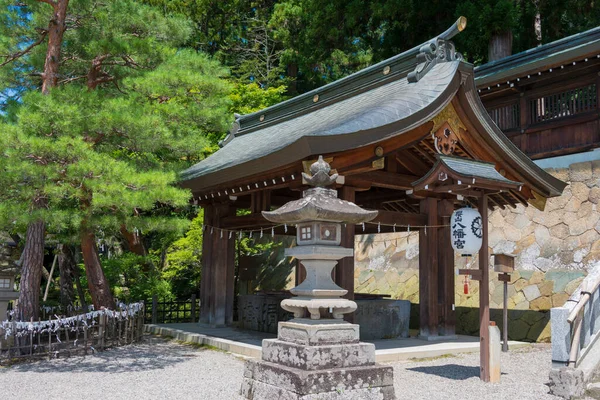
pixel 446 126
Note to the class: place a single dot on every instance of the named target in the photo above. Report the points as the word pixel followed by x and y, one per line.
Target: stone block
pixel 546 288
pixel 531 292
pixel 293 383
pixel 577 227
pixel 561 334
pixel 318 357
pixel 580 190
pixel 585 209
pixel 559 299
pixel 580 172
pixel 567 382
pixel 541 303
pixel 521 221
pixel 318 332
pixel 382 319
pixel 594 195
pixel 261 391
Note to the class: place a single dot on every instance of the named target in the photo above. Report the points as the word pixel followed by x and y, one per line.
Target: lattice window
pixel 305 233
pixel 564 104
pixel 506 117
pixel 4 284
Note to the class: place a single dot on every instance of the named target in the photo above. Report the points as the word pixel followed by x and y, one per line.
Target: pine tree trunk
pixel 56 30
pixel 33 252
pixel 133 242
pixel 97 283
pixel 66 266
pixel 500 46
pixel 80 292
pixel 28 305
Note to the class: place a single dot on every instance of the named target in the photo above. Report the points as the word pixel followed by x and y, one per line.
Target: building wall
pixel 555 249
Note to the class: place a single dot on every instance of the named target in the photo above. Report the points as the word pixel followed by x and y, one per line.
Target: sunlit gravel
pixel 161 369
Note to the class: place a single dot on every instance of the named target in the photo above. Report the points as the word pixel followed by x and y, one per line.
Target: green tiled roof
pixel 542 57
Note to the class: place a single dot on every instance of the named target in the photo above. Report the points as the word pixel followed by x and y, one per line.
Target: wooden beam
pixel 412 163
pixel 389 180
pixel 245 221
pixel 400 218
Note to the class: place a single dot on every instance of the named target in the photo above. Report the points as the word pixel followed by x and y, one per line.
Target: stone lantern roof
pixel 319 203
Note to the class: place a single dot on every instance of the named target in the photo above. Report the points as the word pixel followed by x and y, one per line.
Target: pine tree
pixel 101 149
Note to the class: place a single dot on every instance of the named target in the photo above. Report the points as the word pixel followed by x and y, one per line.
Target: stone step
pixel 313 382
pixel 318 357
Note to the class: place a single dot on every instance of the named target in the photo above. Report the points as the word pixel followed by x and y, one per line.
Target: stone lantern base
pixel 314 360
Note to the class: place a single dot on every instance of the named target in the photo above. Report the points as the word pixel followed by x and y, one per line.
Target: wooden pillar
pixel 428 271
pixel 206 278
pixel 446 270
pixel 484 294
pixel 218 274
pixel 344 271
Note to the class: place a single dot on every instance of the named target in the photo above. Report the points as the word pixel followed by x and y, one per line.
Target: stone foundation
pixel 317 359
pixel 555 249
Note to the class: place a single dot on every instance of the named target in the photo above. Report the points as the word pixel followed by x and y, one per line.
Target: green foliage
pixel 183 268
pixel 131 280
pixel 248 98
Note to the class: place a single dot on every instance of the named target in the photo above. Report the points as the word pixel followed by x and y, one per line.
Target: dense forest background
pixel 103 103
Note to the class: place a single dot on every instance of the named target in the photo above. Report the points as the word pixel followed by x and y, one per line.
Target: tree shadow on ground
pixel 153 353
pixel 449 371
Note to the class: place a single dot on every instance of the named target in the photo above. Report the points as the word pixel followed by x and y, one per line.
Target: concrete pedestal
pixel 317 360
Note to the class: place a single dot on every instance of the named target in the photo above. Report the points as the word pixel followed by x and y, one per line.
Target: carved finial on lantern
pixel 320 174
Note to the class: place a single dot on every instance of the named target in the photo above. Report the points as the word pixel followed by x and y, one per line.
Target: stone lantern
pixel 320 355
pixel 7 292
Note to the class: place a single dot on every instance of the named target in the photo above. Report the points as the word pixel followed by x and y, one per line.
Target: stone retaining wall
pixel 554 248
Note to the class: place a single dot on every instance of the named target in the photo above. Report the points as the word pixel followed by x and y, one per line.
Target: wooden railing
pixel 161 311
pixel 563 104
pixel 530 109
pixel 576 319
pixel 77 335
pixel 576 325
pixel 507 117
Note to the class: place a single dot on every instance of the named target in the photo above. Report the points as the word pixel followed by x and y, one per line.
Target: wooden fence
pixel 78 335
pixel 171 311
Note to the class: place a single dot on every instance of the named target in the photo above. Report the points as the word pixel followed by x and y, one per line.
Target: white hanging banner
pixel 467 231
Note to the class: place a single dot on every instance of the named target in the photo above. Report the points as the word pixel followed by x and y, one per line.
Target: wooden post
pixel 222 270
pixel 344 271
pixel 230 276
pixel 428 271
pixel 446 270
pixel 154 309
pixel 206 279
pixel 505 318
pixel 484 294
pixel 101 330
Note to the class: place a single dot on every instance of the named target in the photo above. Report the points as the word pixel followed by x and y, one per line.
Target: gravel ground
pixel 159 369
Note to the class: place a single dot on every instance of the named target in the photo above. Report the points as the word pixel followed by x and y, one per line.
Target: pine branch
pixel 53 3
pixel 19 54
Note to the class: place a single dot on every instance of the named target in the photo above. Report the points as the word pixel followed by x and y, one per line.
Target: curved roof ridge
pixel 393 68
